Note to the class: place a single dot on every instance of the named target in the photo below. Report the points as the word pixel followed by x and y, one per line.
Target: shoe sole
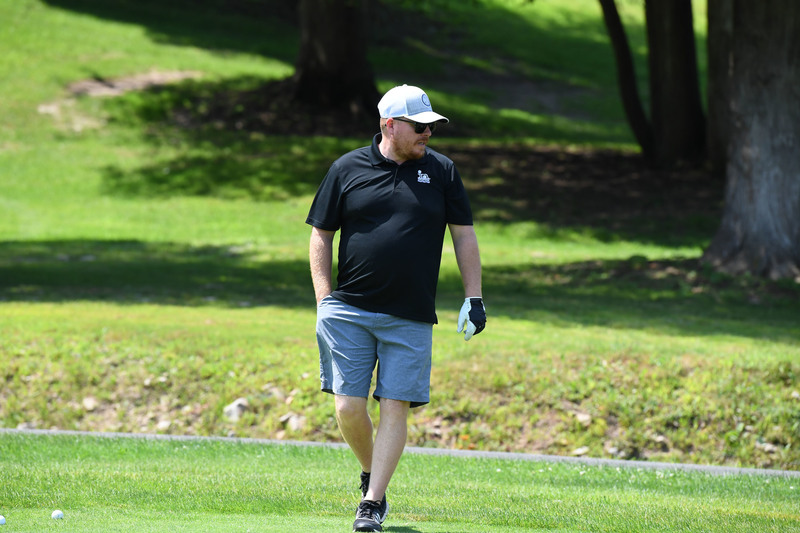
pixel 372 527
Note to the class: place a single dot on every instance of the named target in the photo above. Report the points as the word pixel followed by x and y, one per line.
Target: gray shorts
pixel 352 341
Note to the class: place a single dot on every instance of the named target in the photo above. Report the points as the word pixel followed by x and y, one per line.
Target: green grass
pixel 150 274
pixel 112 484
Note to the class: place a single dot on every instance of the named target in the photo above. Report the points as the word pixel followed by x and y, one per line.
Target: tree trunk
pixel 720 54
pixel 676 107
pixel 626 75
pixel 332 69
pixel 760 228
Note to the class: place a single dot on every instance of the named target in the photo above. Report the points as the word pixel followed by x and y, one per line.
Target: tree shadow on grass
pixel 676 296
pixel 132 272
pixel 227 146
pixel 220 126
pixel 262 28
pixel 246 138
pixel 206 141
pixel 611 194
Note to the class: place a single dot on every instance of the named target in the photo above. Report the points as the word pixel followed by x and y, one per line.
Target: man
pixel 392 202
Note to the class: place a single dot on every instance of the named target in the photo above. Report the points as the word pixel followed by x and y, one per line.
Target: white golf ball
pixel 57 515
pixel 2 520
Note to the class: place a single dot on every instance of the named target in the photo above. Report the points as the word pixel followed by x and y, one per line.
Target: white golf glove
pixel 472 318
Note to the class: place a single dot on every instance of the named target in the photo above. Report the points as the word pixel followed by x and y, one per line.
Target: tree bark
pixel 720 56
pixel 332 69
pixel 676 106
pixel 626 76
pixel 760 228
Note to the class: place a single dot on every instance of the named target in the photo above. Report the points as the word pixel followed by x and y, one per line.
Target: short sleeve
pixel 459 211
pixel 325 212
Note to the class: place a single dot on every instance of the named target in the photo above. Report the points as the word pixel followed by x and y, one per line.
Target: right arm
pixel 320 256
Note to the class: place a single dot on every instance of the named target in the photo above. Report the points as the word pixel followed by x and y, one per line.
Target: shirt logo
pixel 423 178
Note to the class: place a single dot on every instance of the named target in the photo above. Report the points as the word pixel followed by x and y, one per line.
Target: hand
pixel 472 318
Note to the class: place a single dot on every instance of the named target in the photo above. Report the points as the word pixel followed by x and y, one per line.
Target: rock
pixel 767 447
pixel 90 403
pixel 297 423
pixel 663 442
pixel 234 411
pixel 584 419
pixel 293 421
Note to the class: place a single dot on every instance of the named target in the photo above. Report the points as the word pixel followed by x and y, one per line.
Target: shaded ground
pixel 568 186
pixel 606 189
pixel 612 194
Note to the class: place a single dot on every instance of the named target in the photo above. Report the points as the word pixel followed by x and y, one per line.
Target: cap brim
pixel 427 117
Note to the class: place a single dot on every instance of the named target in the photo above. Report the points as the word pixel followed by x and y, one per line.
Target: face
pixel 406 143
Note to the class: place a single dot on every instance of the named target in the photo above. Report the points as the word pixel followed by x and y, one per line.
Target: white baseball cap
pixel 409 102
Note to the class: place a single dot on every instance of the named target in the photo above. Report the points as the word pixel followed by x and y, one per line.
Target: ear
pixel 390 125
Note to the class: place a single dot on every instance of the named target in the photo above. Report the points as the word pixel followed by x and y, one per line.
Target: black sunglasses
pixel 419 127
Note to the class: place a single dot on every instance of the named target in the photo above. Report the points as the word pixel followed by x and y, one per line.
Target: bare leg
pixel 356 427
pixel 390 442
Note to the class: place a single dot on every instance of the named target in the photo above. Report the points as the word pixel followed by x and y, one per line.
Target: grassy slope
pixel 150 308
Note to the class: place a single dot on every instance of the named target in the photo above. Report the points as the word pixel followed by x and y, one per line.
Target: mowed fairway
pixel 118 484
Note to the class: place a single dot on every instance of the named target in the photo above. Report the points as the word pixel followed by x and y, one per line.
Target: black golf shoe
pixel 384 507
pixel 369 516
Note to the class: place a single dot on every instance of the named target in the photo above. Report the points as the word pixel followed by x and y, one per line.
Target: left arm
pixel 472 317
pixel 465 243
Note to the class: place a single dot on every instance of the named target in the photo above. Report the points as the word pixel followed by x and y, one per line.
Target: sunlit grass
pixel 189 485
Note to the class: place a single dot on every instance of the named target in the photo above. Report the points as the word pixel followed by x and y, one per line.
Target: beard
pixel 413 149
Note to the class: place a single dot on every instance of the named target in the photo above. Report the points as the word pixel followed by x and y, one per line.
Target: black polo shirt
pixel 392 220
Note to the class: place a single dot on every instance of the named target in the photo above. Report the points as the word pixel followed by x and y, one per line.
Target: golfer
pixel 392 202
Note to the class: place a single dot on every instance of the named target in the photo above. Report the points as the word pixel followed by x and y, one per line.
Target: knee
pixel 395 408
pixel 350 408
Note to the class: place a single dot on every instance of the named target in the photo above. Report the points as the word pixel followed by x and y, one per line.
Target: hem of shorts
pixel 330 391
pixel 378 398
pixel 413 403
